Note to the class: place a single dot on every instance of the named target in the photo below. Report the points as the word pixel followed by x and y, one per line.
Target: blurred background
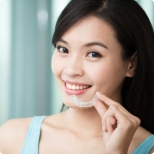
pixel 27 85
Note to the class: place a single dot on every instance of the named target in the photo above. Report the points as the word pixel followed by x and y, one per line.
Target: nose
pixel 74 67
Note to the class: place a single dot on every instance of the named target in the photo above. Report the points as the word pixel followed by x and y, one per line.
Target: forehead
pixel 91 29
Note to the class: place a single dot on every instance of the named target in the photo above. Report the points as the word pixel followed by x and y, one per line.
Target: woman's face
pixel 88 59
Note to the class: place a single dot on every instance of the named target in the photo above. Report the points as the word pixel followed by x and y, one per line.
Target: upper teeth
pixel 76 87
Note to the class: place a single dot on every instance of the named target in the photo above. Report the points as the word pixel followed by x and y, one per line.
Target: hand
pixel 118 125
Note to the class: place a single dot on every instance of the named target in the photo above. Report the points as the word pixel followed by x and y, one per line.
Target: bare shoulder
pixel 12 135
pixel 57 120
pixel 140 135
pixel 53 126
pixel 144 135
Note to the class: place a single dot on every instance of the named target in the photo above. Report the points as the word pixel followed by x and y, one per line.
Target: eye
pixel 94 54
pixel 62 49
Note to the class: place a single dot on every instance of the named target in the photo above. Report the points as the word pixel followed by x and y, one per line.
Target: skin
pixel 102 129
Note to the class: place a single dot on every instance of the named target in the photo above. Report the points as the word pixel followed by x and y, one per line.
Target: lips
pixel 75 87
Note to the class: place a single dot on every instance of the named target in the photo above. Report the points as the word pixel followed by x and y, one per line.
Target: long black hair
pixel 135 34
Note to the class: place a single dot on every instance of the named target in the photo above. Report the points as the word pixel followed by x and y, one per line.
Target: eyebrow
pixel 89 44
pixel 96 43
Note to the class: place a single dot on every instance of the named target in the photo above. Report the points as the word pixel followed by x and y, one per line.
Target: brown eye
pixel 94 54
pixel 62 49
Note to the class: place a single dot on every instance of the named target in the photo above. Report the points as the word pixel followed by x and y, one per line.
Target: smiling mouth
pixel 77 87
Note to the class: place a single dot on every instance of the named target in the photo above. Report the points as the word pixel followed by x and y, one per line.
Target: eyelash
pixel 59 47
pixel 97 54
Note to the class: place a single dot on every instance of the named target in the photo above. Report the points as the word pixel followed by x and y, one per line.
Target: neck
pixel 84 122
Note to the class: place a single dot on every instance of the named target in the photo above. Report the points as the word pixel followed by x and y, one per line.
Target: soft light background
pixel 27 85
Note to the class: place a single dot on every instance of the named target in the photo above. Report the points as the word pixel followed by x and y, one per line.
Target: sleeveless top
pixel 32 139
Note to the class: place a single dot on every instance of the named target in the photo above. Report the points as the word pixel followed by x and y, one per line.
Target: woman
pixel 103 48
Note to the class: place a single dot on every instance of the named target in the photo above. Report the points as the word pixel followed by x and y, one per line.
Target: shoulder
pixel 54 125
pixel 12 135
pixel 56 120
pixel 139 137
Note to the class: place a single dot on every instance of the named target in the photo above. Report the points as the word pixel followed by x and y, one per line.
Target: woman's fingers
pixel 109 126
pixel 113 121
pixel 117 123
pixel 113 111
pixel 109 102
pixel 105 99
pixel 100 107
pixel 122 121
pixel 114 114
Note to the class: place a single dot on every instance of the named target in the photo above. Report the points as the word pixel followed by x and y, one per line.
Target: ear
pixel 132 65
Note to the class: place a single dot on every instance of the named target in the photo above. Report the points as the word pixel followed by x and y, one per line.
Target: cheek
pixel 100 75
pixel 106 73
pixel 96 72
pixel 56 65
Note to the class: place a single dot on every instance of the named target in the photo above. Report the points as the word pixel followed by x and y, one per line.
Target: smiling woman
pixel 103 48
pixel 89 63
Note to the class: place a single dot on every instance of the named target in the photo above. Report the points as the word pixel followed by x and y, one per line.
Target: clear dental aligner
pixel 83 104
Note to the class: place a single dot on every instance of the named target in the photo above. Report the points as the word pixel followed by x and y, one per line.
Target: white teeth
pixel 75 87
pixel 69 86
pixel 81 87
